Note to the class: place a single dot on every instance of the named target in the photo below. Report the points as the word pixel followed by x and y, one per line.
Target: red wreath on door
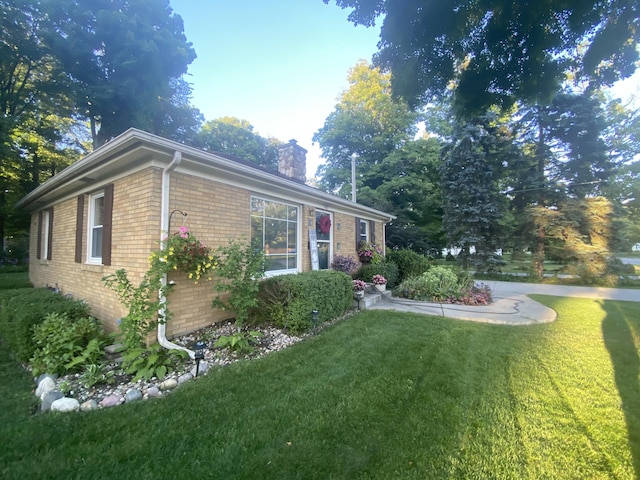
pixel 325 224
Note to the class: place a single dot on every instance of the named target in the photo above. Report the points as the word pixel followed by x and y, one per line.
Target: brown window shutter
pixel 106 224
pixel 357 232
pixel 39 241
pixel 372 227
pixel 79 225
pixel 50 235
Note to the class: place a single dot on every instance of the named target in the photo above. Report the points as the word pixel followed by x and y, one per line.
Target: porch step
pixel 371 297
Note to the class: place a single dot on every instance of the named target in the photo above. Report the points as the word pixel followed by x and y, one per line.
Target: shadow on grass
pixel 618 332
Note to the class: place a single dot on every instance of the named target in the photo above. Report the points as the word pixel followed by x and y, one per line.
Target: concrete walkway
pixel 511 304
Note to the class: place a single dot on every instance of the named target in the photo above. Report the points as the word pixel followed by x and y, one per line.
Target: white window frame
pixel 92 228
pixel 44 234
pixel 298 253
pixel 366 235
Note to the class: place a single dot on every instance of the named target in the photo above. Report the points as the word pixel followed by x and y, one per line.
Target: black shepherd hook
pixel 184 215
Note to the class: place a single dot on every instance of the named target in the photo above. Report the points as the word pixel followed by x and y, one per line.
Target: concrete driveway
pixel 511 304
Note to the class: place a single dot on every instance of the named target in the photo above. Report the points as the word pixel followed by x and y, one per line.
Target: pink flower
pixel 184 232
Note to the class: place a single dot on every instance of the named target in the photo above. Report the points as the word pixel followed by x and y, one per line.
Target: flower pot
pixel 358 295
pixel 381 288
pixel 365 259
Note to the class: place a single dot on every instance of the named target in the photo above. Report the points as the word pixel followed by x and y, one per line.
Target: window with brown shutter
pixel 99 229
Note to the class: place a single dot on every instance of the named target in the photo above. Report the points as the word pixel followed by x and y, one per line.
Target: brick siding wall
pixel 215 213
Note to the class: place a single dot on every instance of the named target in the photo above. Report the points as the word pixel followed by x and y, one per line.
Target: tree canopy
pixel 77 70
pixel 498 51
pixel 120 56
pixel 368 122
pixel 236 137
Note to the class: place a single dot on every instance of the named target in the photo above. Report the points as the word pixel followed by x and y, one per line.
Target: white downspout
pixel 164 230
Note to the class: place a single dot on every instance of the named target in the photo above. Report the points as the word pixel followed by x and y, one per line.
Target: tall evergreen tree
pixel 474 205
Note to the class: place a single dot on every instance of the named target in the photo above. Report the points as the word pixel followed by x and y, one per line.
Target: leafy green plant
pixel 239 342
pixel 182 252
pixel 23 309
pixel 240 267
pixel 95 374
pixel 63 345
pixel 154 361
pixel 65 387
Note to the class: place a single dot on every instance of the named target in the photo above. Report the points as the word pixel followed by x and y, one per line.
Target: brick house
pixel 110 210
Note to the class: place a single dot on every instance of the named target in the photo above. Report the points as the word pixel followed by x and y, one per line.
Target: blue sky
pixel 279 64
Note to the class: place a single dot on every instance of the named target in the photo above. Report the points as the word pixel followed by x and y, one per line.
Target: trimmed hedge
pixel 410 263
pixel 288 300
pixel 21 310
pixel 388 270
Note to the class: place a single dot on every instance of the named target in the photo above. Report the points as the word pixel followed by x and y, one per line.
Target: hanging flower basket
pixel 369 253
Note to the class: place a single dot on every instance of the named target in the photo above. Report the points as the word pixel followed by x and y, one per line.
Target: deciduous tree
pixel 236 137
pixel 367 121
pixel 500 51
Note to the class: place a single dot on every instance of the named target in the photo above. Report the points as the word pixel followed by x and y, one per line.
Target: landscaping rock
pixel 132 395
pixel 65 404
pixel 111 401
pixel 115 348
pixel 202 369
pixel 184 378
pixel 89 405
pixel 46 385
pixel 169 384
pixel 42 376
pixel 154 392
pixel 48 398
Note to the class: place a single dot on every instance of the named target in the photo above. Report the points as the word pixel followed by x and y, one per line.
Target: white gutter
pixel 164 230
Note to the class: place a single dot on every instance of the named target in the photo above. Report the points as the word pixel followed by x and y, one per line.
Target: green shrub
pixel 410 263
pixel 437 284
pixel 388 270
pixel 21 310
pixel 63 345
pixel 289 300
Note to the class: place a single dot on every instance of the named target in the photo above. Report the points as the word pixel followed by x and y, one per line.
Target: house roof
pixel 135 150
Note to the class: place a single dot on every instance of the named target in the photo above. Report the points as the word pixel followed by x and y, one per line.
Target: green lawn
pixel 382 395
pixel 14 280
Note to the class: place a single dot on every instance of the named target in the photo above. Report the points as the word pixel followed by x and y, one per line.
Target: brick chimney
pixel 292 161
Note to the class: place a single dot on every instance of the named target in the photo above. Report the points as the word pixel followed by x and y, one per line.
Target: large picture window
pixel 274 228
pixel 96 216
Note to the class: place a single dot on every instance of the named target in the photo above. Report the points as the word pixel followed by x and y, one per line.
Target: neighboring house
pixel 110 210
